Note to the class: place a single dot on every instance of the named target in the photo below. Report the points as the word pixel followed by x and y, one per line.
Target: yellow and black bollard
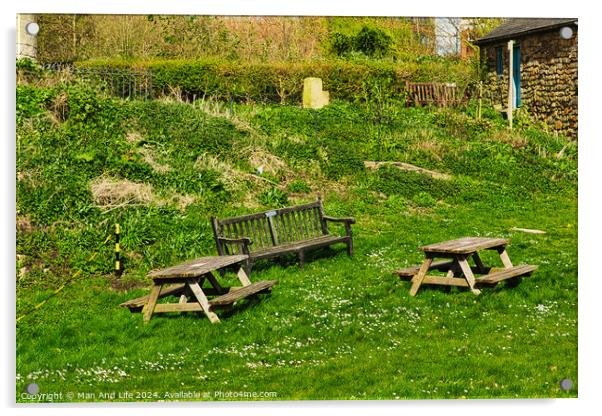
pixel 118 265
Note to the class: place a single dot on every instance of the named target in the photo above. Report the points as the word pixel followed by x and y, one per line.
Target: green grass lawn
pixel 341 328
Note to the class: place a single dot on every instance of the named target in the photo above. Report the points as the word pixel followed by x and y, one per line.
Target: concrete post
pixel 510 82
pixel 27 44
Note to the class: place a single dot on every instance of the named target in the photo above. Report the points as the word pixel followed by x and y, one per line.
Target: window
pixel 499 60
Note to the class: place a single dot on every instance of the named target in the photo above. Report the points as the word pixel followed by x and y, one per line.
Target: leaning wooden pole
pixel 510 82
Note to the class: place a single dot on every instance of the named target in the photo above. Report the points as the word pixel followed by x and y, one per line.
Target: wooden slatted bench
pixel 278 232
pixel 432 93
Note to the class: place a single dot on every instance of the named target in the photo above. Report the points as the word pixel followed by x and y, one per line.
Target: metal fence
pixel 133 83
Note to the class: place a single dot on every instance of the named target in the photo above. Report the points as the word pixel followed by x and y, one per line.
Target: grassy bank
pixel 341 328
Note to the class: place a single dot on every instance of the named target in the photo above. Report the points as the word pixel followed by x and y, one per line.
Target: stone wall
pixel 548 78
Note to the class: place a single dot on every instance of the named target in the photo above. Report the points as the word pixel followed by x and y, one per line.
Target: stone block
pixel 313 96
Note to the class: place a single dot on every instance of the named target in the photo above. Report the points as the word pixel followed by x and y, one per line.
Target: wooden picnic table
pixel 459 272
pixel 186 282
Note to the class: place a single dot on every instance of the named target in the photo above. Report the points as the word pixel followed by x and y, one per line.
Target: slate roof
pixel 521 26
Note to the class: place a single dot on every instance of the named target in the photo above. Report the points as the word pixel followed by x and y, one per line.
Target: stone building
pixel 544 69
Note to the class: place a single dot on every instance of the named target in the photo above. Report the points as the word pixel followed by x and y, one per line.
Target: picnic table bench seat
pixel 136 304
pixel 515 271
pixel 243 292
pixel 409 272
pixel 234 293
pixel 274 233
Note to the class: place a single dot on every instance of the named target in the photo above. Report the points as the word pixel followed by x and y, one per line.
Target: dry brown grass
pixel 46 79
pixel 242 125
pixel 431 147
pixel 24 224
pixel 259 158
pixel 179 200
pixel 510 137
pixel 58 108
pixel 249 201
pixel 149 158
pixel 147 153
pixel 231 177
pixel 110 193
pixel 29 176
pixel 174 95
pixel 134 137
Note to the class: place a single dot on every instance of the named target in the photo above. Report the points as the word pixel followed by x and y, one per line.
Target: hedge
pixel 283 82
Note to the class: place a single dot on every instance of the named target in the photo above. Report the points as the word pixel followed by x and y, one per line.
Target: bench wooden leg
pixel 248 265
pixel 301 256
pixel 183 298
pixel 467 271
pixel 419 277
pixel 149 308
pixel 479 263
pixel 243 277
pixel 212 279
pixel 350 247
pixel 505 258
pixel 202 300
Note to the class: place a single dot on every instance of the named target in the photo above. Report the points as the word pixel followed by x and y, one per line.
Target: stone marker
pixel 313 96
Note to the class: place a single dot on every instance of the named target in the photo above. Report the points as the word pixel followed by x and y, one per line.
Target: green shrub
pixel 340 44
pixel 370 41
pixel 393 181
pixel 339 160
pixel 373 41
pixel 27 64
pixel 424 199
pixel 32 101
pixel 396 202
pixel 83 102
pixel 283 82
pixel 180 124
pixel 299 186
pixel 273 197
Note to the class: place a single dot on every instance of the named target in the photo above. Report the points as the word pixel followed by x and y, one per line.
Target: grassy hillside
pixel 341 328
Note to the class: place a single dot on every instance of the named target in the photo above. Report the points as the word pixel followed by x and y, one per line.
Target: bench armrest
pixel 345 220
pixel 243 243
pixel 242 240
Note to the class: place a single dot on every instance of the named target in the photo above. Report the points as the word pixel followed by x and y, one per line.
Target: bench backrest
pixel 427 93
pixel 274 227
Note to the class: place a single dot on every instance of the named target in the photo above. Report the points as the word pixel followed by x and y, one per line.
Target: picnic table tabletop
pixel 465 245
pixel 197 267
